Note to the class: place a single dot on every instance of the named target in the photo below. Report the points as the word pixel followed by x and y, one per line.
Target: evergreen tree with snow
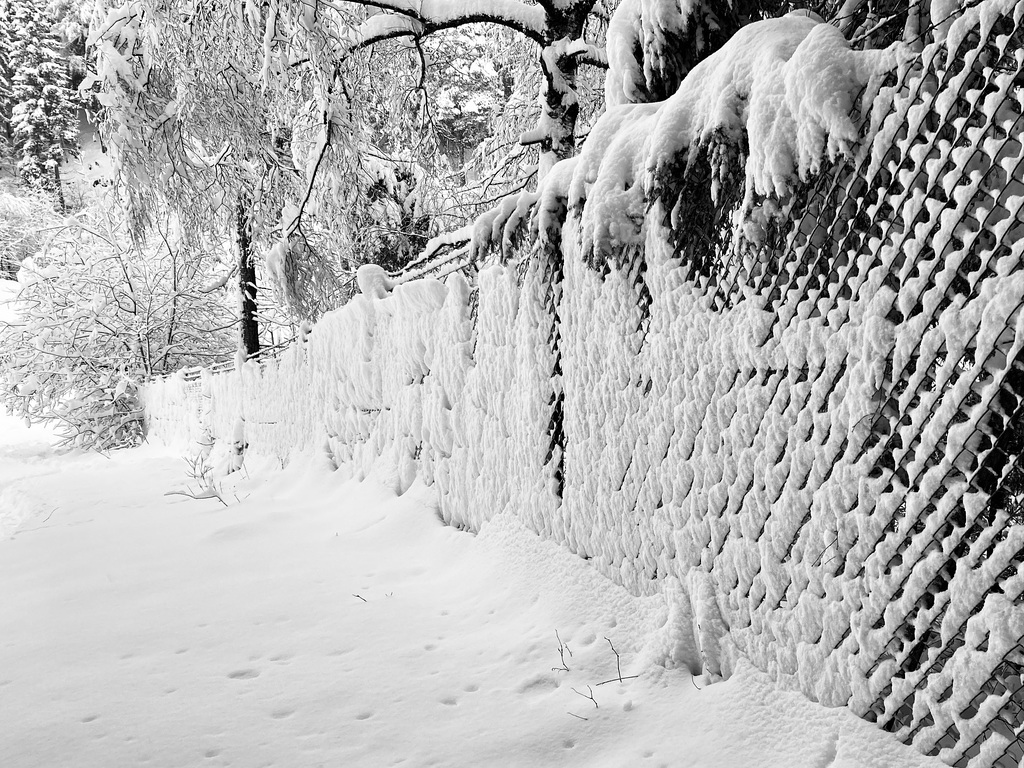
pixel 43 115
pixel 6 91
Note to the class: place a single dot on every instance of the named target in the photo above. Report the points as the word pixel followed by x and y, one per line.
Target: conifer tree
pixel 43 116
pixel 6 92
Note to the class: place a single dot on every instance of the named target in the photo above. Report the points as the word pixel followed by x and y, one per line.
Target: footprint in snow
pixel 537 684
pixel 244 674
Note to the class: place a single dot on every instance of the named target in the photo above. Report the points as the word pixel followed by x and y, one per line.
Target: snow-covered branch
pixel 587 53
pixel 499 228
pixel 404 18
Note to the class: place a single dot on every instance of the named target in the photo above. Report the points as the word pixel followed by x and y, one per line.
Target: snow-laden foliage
pixel 333 163
pixel 653 44
pixel 6 84
pixel 191 129
pixel 772 104
pixel 97 314
pixel 24 215
pixel 43 115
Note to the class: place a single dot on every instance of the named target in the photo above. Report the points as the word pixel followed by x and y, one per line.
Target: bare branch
pixel 562 648
pixel 618 663
pixel 589 695
pixel 619 679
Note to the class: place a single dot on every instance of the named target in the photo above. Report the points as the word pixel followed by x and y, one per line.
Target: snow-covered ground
pixel 313 622
pixel 8 290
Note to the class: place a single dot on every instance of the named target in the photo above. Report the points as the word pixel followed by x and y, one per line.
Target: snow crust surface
pixel 317 622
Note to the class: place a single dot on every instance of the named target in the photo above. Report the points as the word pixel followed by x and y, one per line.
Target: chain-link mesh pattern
pixel 924 224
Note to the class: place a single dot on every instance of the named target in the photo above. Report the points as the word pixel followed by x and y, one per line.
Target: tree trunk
pixel 58 189
pixel 247 283
pixel 560 105
pixel 559 108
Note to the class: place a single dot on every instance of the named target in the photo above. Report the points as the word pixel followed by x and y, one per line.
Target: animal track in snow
pixel 537 684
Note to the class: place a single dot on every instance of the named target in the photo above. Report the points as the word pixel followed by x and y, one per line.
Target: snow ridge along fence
pixel 797 415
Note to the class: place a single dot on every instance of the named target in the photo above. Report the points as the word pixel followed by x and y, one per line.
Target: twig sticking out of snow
pixel 562 648
pixel 204 494
pixel 42 523
pixel 587 696
pixel 201 472
pixel 619 677
pixel 618 661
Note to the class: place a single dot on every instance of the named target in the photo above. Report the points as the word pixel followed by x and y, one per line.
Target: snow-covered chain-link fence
pixel 798 416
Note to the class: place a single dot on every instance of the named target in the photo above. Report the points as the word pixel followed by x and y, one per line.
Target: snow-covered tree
pixel 24 214
pixel 6 85
pixel 98 316
pixel 190 132
pixel 44 113
pixel 557 30
pixel 203 129
pixel 336 129
pixel 665 39
pixel 327 180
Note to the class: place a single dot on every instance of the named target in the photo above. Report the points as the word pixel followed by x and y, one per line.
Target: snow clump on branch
pixel 776 101
pixel 779 96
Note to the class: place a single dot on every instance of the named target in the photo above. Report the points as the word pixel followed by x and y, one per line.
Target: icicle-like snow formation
pixel 797 417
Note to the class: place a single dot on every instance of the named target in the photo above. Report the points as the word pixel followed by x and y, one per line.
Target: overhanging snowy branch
pixel 407 19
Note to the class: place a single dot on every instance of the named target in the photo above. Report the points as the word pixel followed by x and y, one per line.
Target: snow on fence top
pixel 765 356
